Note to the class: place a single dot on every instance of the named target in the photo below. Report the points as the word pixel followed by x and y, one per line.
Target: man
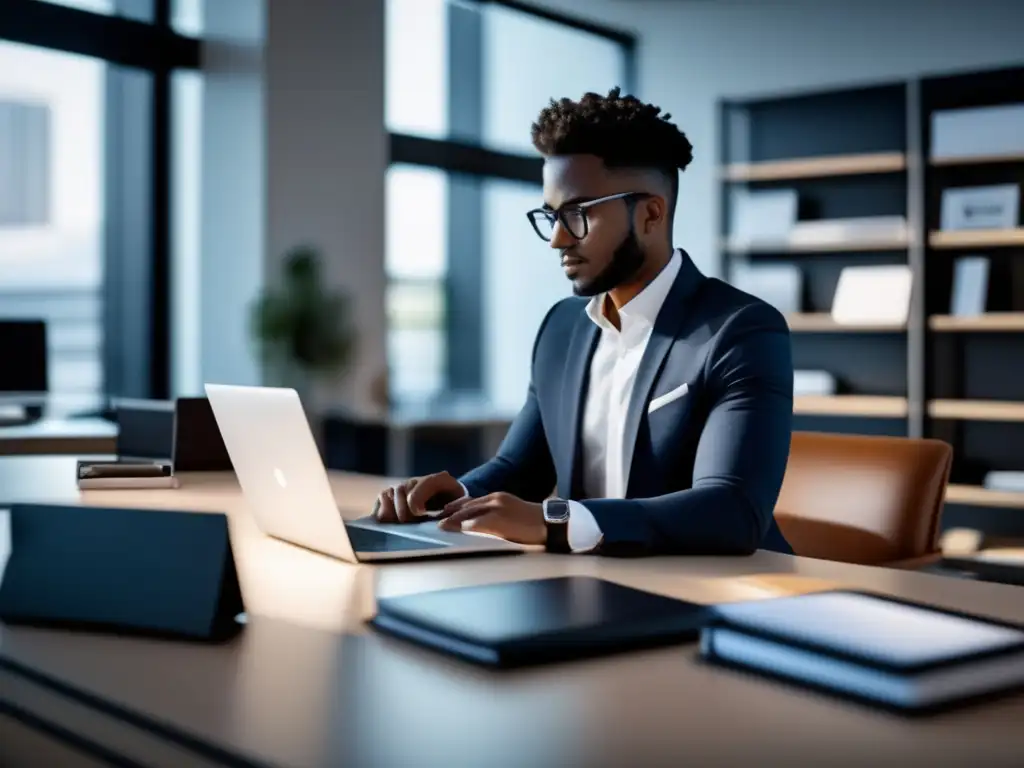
pixel 660 404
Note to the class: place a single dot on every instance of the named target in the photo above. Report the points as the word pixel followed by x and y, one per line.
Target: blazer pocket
pixel 669 397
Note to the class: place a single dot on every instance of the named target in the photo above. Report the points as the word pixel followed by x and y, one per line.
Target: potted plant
pixel 303 330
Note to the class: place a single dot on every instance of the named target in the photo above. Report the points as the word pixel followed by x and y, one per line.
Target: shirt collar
pixel 643 308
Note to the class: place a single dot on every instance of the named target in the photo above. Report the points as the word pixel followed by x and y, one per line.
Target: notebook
pixel 522 623
pixel 900 655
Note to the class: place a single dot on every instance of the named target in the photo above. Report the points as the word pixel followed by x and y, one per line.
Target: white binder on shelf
pixel 873 295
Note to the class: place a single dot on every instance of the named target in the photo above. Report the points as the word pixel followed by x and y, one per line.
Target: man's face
pixel 609 254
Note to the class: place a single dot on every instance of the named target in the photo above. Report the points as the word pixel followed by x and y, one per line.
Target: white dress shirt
pixel 605 456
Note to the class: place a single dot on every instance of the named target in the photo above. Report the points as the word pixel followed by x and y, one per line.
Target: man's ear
pixel 653 213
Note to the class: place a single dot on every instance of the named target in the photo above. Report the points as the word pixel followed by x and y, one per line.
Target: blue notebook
pixel 870 647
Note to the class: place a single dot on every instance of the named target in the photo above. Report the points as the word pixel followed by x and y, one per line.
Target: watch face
pixel 556 511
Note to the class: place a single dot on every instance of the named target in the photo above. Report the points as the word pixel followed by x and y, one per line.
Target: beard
pixel 625 263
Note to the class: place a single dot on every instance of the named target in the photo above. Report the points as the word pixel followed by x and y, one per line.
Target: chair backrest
pixel 860 499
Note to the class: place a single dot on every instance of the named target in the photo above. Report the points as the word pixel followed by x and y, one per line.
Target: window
pixel 85 190
pixel 139 10
pixel 527 61
pixel 52 209
pixel 469 280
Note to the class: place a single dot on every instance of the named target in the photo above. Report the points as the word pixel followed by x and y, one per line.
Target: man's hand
pixel 499 514
pixel 408 502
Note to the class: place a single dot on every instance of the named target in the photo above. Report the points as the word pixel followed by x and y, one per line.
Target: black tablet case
pixel 522 623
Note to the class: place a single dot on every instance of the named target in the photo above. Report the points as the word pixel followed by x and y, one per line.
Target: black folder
pixel 522 623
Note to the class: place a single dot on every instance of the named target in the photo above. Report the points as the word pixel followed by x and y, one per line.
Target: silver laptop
pixel 286 487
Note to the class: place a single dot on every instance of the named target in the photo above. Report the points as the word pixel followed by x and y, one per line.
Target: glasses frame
pixel 559 214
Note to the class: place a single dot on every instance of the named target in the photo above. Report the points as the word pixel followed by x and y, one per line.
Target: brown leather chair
pixel 866 500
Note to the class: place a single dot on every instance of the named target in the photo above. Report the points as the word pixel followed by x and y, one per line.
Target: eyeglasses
pixel 573 216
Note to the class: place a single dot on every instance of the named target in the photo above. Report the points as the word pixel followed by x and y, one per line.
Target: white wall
pixel 326 157
pixel 694 52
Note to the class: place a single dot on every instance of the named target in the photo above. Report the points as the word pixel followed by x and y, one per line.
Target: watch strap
pixel 556 518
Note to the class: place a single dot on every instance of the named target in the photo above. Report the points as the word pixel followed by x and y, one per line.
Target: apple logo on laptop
pixel 279 476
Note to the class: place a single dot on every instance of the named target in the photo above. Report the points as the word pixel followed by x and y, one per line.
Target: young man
pixel 660 405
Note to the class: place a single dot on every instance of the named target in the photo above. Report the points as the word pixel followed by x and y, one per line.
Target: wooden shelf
pixel 811 167
pixel 976 410
pixel 822 322
pixel 990 321
pixel 850 405
pixel 976 238
pixel 831 246
pixel 1013 157
pixel 983 497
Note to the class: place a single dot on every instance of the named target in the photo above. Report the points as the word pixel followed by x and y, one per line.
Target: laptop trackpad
pixel 428 530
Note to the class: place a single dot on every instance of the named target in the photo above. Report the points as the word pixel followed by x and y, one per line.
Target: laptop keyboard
pixel 372 540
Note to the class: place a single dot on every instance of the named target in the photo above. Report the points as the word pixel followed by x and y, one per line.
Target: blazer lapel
pixel 663 336
pixel 574 392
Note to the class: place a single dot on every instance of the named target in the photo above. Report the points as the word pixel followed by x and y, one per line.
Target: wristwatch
pixel 556 518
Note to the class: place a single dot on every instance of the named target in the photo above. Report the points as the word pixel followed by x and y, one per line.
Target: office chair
pixel 865 500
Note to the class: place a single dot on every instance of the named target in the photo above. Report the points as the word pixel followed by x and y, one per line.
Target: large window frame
pixel 136 323
pixel 471 164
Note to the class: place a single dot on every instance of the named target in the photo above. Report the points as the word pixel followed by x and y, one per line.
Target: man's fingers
pixel 441 484
pixel 468 510
pixel 401 494
pixel 386 507
pixel 425 488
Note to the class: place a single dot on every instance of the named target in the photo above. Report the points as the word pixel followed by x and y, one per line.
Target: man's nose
pixel 560 237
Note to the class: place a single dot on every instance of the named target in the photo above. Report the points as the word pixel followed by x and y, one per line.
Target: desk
pixel 306 685
pixel 59 436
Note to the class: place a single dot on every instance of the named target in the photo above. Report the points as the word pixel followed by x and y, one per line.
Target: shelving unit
pixel 824 246
pixel 977 238
pixel 847 155
pixel 870 406
pixel 822 322
pixel 812 167
pixel 991 322
pixel 976 410
pixel 974 365
pixel 976 495
pixel 867 152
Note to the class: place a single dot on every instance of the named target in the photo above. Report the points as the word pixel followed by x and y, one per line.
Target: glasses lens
pixel 575 220
pixel 543 223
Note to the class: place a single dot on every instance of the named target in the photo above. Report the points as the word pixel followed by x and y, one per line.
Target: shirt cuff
pixel 584 532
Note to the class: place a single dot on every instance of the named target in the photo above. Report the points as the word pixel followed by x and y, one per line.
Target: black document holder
pixel 155 572
pixel 522 623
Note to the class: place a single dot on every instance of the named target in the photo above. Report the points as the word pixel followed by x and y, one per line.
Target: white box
pixel 978 131
pixel 873 295
pixel 762 217
pixel 781 285
pixel 989 207
pixel 813 383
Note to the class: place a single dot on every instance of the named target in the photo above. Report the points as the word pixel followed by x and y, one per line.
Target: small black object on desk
pixel 521 623
pixel 158 572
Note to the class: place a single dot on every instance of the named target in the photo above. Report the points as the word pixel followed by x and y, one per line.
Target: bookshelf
pixel 846 154
pixel 974 364
pixel 867 152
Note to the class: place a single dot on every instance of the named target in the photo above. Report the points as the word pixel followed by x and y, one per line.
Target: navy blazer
pixel 707 467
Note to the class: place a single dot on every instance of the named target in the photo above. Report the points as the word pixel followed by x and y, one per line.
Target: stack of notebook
pixel 873 648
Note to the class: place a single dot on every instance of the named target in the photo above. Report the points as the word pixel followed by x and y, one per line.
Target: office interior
pixel 169 169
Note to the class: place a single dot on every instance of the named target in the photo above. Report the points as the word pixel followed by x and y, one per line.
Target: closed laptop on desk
pixel 531 622
pixel 897 654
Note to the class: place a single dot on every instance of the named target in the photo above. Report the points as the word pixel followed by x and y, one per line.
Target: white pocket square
pixel 668 397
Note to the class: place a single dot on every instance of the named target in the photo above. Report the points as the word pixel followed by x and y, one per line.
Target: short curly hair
pixel 622 130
